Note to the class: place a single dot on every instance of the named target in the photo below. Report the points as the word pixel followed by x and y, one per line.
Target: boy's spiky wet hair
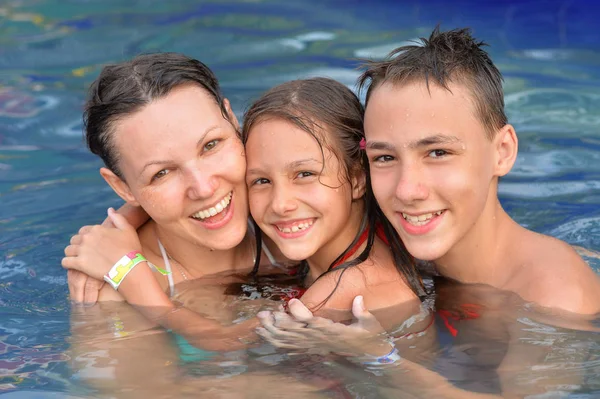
pixel 453 56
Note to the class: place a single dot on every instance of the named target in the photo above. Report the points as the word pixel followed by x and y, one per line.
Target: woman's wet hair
pixel 125 88
pixel 332 114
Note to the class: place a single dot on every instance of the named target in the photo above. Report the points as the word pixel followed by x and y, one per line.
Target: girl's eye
pixel 383 158
pixel 438 153
pixel 260 181
pixel 161 173
pixel 210 145
pixel 305 174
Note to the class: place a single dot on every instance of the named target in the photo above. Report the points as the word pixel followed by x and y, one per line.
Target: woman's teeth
pixel 421 219
pixel 212 211
pixel 295 228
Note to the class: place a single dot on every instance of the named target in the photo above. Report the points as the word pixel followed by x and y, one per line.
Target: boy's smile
pixel 432 165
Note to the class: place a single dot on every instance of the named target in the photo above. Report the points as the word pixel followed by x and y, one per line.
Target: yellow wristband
pixel 117 273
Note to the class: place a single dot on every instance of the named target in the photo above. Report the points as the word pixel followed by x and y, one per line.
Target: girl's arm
pixel 93 253
pixel 83 288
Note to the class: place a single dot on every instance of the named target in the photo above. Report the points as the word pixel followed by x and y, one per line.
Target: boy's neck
pixel 482 255
pixel 319 263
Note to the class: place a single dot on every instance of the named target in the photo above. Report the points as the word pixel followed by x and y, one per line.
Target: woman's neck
pixel 320 262
pixel 199 261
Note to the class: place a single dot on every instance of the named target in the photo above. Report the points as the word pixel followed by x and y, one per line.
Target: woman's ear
pixel 118 186
pixel 232 118
pixel 359 183
pixel 506 146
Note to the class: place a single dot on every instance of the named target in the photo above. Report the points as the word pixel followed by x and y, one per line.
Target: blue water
pixel 50 50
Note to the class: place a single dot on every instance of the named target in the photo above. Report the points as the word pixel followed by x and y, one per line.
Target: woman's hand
pixel 97 248
pixel 300 329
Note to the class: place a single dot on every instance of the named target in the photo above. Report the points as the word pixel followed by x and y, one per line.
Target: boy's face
pixel 433 168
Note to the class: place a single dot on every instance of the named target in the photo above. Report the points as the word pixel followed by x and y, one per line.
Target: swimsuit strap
pixel 168 267
pixel 361 240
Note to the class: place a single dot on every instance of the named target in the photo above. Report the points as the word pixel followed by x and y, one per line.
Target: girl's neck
pixel 198 260
pixel 321 260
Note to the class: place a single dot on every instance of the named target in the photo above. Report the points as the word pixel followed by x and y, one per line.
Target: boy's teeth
pixel 213 210
pixel 295 228
pixel 420 219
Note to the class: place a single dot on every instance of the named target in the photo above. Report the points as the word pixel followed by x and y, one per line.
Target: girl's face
pixel 298 192
pixel 183 162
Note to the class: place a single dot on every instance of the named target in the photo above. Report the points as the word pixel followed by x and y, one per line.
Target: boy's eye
pixel 161 173
pixel 210 145
pixel 438 153
pixel 260 181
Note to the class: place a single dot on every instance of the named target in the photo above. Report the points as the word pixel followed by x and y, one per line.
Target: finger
pixel 70 263
pixel 299 311
pixel 75 240
pixel 92 290
pixel 108 222
pixel 364 318
pixel 85 229
pixel 283 320
pixel 72 250
pixel 75 284
pixel 267 336
pixel 119 220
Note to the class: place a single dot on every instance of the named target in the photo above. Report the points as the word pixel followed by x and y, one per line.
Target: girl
pixel 306 179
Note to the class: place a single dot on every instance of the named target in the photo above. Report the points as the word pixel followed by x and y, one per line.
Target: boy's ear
pixel 359 183
pixel 119 186
pixel 507 146
pixel 231 115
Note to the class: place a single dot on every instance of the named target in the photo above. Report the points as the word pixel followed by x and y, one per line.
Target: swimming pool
pixel 50 50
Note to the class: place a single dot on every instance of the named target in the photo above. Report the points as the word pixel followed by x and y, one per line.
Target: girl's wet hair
pixel 125 88
pixel 334 116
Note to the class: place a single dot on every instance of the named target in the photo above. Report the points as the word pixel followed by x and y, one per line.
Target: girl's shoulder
pixel 378 281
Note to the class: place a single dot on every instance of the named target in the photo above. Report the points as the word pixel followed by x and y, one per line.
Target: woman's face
pixel 183 162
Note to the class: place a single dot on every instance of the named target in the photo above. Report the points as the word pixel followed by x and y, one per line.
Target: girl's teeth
pixel 295 228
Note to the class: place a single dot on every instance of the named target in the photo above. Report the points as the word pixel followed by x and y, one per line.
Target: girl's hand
pixel 300 329
pixel 97 248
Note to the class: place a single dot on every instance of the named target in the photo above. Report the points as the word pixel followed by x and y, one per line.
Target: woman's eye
pixel 438 153
pixel 260 181
pixel 210 145
pixel 161 173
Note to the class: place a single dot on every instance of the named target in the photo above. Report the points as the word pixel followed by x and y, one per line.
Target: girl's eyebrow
pixel 289 166
pixel 300 162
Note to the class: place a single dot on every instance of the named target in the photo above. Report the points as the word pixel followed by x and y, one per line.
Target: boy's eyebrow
pixel 424 142
pixel 434 139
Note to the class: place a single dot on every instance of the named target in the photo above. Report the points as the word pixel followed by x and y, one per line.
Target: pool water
pixel 51 50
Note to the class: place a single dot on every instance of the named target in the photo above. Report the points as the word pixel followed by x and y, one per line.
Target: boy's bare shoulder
pixel 553 275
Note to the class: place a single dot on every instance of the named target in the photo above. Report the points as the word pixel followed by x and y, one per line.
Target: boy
pixel 438 140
